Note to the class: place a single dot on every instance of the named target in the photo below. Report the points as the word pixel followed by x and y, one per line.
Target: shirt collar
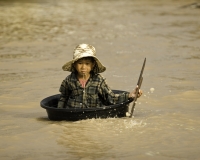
pixel 74 78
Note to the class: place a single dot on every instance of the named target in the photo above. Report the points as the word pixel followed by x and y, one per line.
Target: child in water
pixel 85 87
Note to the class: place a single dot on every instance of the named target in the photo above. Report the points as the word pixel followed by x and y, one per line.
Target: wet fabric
pixel 95 94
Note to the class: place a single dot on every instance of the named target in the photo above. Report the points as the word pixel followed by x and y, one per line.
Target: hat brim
pixel 68 66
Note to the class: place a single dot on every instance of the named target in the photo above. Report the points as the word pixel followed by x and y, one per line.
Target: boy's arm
pixel 109 97
pixel 63 95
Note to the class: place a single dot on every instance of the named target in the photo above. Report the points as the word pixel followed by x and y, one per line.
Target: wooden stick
pixel 140 79
pixel 135 99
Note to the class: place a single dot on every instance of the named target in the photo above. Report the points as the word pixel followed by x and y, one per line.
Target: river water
pixel 38 37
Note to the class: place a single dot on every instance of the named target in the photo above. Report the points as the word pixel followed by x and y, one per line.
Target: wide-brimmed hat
pixel 81 51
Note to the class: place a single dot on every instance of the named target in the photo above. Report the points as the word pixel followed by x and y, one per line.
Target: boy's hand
pixel 133 93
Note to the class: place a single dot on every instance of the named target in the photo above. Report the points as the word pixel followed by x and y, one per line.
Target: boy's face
pixel 84 66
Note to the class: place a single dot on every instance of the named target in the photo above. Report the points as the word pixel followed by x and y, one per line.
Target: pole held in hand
pixel 139 83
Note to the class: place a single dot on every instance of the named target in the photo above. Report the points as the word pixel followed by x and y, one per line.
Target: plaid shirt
pixel 95 94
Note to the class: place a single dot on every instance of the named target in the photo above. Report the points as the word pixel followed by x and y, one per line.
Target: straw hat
pixel 81 51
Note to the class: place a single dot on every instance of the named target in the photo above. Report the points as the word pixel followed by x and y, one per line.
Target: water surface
pixel 38 37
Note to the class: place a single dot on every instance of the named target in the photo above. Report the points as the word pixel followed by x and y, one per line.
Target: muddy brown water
pixel 38 37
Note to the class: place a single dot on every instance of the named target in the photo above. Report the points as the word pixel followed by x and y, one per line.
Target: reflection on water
pixel 38 37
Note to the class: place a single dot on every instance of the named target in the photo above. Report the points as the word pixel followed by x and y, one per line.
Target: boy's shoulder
pixel 98 77
pixel 71 77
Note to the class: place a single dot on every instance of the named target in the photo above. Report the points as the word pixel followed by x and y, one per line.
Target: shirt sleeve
pixel 64 94
pixel 109 97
